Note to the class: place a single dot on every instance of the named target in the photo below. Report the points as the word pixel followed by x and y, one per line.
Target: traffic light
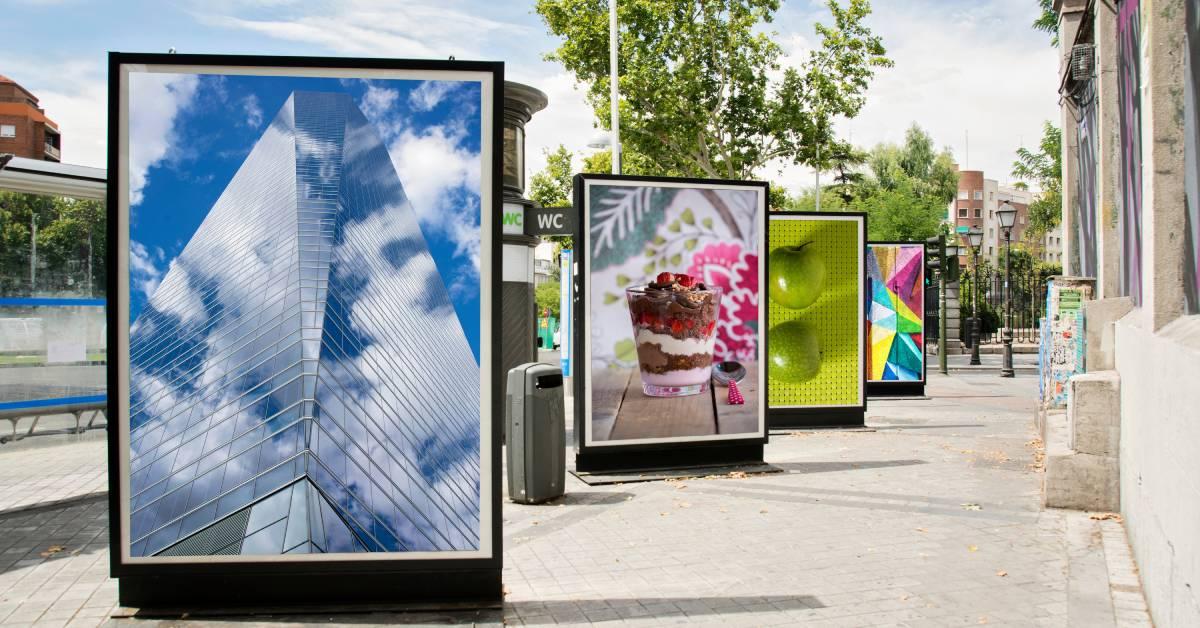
pixel 935 252
pixel 952 269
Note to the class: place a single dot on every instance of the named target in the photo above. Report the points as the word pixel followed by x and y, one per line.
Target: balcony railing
pixel 52 151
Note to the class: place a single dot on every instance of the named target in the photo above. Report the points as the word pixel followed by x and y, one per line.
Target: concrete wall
pixel 1160 461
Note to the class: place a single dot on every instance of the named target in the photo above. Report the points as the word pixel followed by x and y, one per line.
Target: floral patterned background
pixel 637 232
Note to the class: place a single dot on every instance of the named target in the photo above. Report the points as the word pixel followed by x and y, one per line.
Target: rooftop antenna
pixel 171 50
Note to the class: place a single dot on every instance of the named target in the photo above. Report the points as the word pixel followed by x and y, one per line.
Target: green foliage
pixel 904 189
pixel 1043 167
pixel 552 187
pixel 695 80
pixel 1047 21
pixel 547 296
pixel 65 228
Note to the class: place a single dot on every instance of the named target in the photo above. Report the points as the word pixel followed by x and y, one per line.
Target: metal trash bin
pixel 536 433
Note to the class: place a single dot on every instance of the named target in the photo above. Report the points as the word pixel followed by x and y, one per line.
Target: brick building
pixel 25 131
pixel 976 204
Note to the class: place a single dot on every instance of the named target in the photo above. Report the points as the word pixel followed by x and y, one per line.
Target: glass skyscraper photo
pixel 285 396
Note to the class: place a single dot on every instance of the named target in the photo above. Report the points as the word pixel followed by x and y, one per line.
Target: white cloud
pixel 253 111
pixel 437 173
pixel 567 120
pixel 143 267
pixel 372 27
pixel 155 101
pixel 429 93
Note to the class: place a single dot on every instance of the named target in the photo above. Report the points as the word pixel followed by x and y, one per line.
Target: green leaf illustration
pixel 659 240
pixel 676 259
pixel 625 350
pixel 690 244
pixel 623 281
pixel 688 217
pixel 707 222
pixel 610 298
pixel 648 268
pixel 674 227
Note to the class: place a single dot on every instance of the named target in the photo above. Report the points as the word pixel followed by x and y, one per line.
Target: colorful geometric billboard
pixel 895 316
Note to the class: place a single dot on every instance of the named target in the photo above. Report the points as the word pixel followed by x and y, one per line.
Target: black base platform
pixel 198 592
pixel 784 418
pixel 673 456
pixel 895 389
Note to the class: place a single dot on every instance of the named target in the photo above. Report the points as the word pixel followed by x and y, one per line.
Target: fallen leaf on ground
pixel 763 511
pixel 1105 516
pixel 971 506
pixel 920 529
pixel 972 548
pixel 1002 573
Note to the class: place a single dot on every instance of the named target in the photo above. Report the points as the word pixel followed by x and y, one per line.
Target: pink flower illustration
pixel 736 272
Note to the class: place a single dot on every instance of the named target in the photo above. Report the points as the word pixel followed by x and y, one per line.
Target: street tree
pixel 1044 168
pixel 703 88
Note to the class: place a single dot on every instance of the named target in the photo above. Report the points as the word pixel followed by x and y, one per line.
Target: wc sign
pixel 550 221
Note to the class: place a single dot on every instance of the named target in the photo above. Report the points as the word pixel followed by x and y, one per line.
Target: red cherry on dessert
pixel 685 280
pixel 664 278
pixel 690 323
pixel 676 327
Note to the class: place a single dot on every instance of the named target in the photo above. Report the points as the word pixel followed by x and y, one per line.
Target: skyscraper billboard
pixel 307 272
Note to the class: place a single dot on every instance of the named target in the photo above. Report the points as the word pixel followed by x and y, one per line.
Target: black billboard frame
pixel 891 389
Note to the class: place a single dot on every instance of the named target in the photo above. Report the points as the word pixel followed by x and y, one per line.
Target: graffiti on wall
pixel 1191 127
pixel 1084 210
pixel 1129 74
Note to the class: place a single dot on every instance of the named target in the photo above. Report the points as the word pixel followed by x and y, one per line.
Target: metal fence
pixel 1028 306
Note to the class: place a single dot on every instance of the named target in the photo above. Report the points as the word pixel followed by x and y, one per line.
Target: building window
pixel 979 195
pixel 991 195
pixel 991 232
pixel 962 195
pixel 978 213
pixel 1020 220
pixel 991 251
pixel 991 214
pixel 8 130
pixel 962 212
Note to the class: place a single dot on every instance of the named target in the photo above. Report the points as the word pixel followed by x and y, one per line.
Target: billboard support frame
pixel 199 584
pixel 886 389
pixel 826 416
pixel 649 456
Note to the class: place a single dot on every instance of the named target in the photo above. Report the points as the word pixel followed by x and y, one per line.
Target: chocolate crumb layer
pixel 653 359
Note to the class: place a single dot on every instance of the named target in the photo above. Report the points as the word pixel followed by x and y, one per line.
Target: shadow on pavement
pixel 827 467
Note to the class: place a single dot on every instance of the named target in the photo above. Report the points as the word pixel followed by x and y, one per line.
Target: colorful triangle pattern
pixel 895 313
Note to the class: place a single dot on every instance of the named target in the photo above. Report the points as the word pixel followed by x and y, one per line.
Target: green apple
pixel 797 275
pixel 793 352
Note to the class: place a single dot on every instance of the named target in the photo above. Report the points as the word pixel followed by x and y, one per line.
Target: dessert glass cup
pixel 674 333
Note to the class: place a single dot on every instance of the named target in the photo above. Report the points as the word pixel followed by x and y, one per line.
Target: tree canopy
pixel 703 89
pixel 68 231
pixel 1043 167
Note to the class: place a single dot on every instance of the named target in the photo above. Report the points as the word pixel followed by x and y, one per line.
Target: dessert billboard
pixel 815 346
pixel 670 310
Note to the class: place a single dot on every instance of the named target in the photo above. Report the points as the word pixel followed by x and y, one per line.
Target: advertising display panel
pixel 298 283
pixel 895 318
pixel 669 274
pixel 815 331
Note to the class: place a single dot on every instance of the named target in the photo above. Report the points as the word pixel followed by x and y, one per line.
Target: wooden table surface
pixel 621 411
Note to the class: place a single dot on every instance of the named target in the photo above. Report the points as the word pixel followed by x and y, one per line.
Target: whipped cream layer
pixel 676 346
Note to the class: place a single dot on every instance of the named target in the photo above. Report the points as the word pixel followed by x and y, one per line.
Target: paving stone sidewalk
pixel 931 519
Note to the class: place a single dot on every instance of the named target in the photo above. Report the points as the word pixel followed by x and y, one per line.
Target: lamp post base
pixel 1006 367
pixel 975 342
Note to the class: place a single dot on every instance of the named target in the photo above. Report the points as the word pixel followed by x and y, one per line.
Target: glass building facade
pixel 299 381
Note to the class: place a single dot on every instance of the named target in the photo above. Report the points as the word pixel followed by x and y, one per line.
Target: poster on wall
pixel 668 321
pixel 895 318
pixel 298 283
pixel 815 339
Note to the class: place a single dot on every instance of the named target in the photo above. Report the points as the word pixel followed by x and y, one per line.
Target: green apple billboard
pixel 815 347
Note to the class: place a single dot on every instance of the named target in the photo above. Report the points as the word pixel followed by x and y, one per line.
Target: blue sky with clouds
pixel 189 135
pixel 972 73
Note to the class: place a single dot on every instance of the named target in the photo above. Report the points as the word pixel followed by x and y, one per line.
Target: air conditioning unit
pixel 1083 62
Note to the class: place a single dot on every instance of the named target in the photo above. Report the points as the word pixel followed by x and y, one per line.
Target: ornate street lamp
pixel 1007 215
pixel 975 240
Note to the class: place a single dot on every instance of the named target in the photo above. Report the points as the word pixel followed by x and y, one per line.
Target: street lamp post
pixel 975 241
pixel 1007 216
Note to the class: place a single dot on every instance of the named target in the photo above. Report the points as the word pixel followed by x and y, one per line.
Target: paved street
pixel 929 518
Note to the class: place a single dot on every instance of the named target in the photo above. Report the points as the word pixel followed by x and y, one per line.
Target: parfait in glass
pixel 674 327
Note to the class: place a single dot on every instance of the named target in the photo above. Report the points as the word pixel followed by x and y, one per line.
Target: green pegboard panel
pixel 834 317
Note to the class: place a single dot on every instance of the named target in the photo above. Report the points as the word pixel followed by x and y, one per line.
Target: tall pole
pixel 1006 369
pixel 942 318
pixel 818 173
pixel 89 264
pixel 613 95
pixel 33 258
pixel 975 307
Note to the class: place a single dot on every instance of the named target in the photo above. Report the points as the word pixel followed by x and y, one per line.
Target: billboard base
pixel 790 418
pixel 895 389
pixel 313 586
pixel 674 456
